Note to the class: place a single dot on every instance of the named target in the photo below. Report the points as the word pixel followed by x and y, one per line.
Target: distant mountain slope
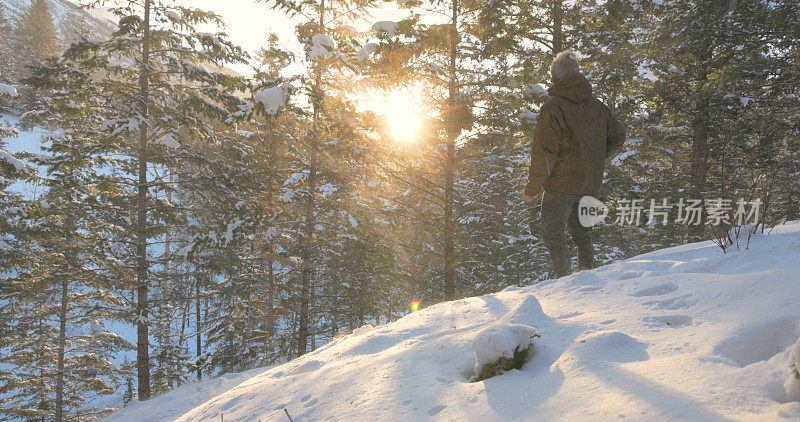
pixel 71 20
pixel 685 333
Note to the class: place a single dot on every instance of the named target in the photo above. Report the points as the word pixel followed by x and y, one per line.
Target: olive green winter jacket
pixel 574 135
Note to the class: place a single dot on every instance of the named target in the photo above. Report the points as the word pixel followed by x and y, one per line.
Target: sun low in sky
pixel 400 108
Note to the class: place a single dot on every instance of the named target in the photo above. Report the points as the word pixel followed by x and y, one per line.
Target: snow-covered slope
pixel 66 14
pixel 174 404
pixel 684 333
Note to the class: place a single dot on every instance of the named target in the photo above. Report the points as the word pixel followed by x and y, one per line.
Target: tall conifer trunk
pixel 142 327
pixel 700 135
pixel 62 346
pixel 558 30
pixel 271 292
pixel 198 339
pixel 450 162
pixel 308 265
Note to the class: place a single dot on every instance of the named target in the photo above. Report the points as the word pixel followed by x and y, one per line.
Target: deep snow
pixel 683 333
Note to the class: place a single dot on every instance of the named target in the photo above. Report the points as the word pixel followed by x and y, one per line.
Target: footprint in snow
pixel 585 278
pixel 305 367
pixel 759 341
pixel 569 315
pixel 658 290
pixel 672 304
pixel 436 409
pixel 673 321
pixel 627 275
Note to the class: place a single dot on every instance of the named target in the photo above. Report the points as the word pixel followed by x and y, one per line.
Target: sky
pixel 249 22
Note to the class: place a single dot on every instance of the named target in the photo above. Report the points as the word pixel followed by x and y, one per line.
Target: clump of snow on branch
pixel 230 229
pixel 500 341
pixel 288 195
pixel 385 27
pixel 118 126
pixel 528 116
pixel 366 50
pixel 350 219
pixel 18 165
pixel 186 250
pixel 294 178
pixel 7 90
pixel 322 47
pixel 617 161
pixel 435 68
pixel 274 98
pixel 328 189
pixel 210 39
pixel 168 141
pixel 535 90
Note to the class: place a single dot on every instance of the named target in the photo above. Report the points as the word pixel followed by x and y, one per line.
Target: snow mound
pixel 363 329
pixel 792 384
pixel 599 349
pixel 500 341
pixel 685 333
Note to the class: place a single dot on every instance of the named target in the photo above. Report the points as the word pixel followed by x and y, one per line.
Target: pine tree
pixel 7 53
pixel 684 61
pixel 326 23
pixel 156 112
pixel 68 275
pixel 36 36
pixel 710 98
pixel 12 254
pixel 232 226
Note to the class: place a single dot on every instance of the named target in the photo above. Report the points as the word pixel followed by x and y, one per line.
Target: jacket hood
pixel 574 87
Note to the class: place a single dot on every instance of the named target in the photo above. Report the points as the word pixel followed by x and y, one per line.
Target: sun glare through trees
pixel 401 110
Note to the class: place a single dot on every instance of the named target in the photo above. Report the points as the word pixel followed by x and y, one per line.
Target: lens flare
pixel 414 304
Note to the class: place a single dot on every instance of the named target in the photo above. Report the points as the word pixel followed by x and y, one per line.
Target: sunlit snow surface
pixel 686 333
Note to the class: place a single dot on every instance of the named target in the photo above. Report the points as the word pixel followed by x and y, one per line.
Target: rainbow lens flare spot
pixel 414 304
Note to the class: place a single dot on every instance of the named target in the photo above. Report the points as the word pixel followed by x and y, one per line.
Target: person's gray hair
pixel 566 62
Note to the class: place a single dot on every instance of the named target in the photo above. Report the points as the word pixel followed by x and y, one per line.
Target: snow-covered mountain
pixel 686 333
pixel 69 17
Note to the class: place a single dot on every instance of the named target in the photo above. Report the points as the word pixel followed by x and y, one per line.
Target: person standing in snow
pixel 574 135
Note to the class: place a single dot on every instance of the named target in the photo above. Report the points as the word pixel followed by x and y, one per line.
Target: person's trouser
pixel 559 215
